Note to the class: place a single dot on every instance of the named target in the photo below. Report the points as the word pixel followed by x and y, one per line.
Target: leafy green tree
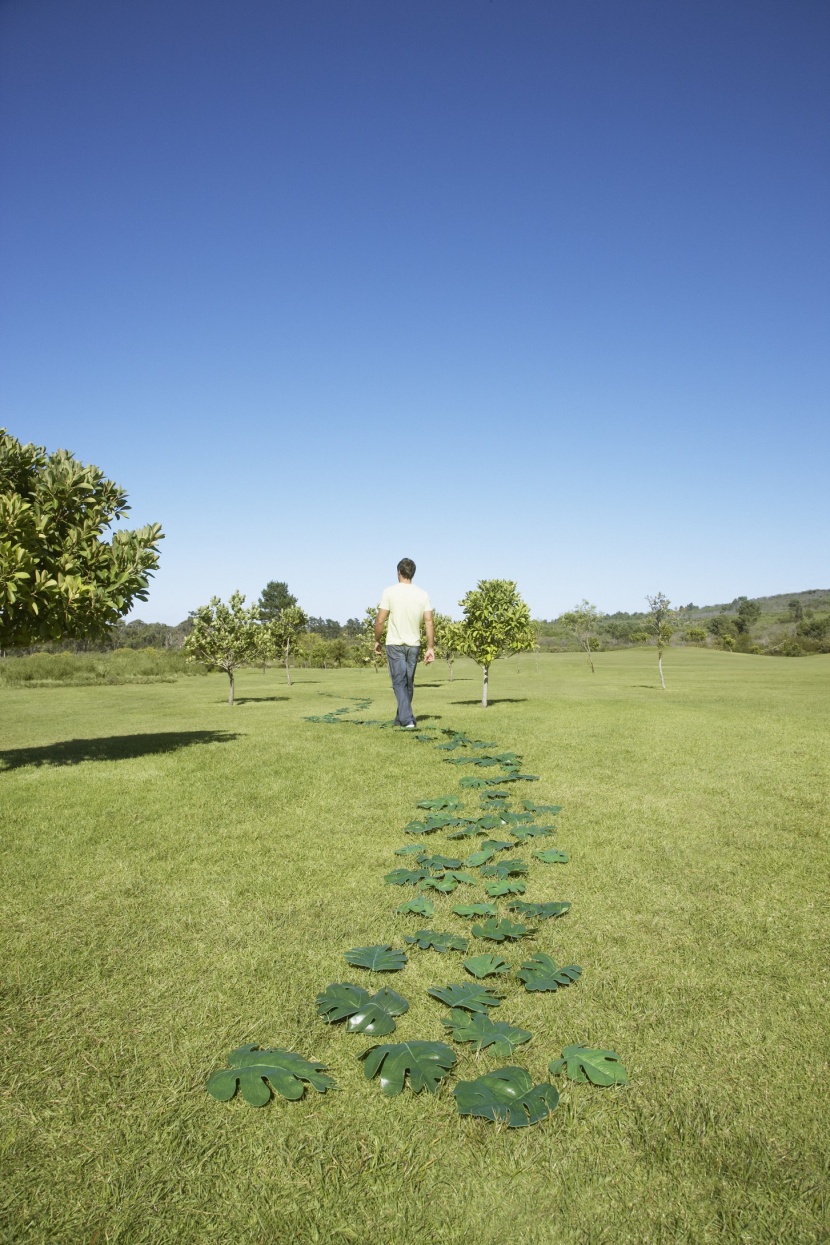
pixel 366 648
pixel 225 637
pixel 447 639
pixel 695 635
pixel 58 576
pixel 748 613
pixel 274 599
pixel 276 637
pixel 659 624
pixel 496 623
pixel 582 622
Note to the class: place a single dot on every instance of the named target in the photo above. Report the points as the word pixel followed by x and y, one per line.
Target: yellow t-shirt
pixel 407 604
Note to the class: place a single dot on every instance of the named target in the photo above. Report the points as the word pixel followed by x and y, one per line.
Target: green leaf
pixel 364 1014
pixel 507 1095
pixel 430 938
pixel 506 887
pixel 488 849
pixel 253 1067
pixel 484 1032
pixel 505 868
pixel 441 802
pixel 539 911
pixel 426 1063
pixel 498 930
pixel 411 849
pixel 513 776
pixel 476 909
pixel 521 833
pixel 471 781
pixel 466 994
pixel 404 877
pixel 551 856
pixel 380 958
pixel 440 862
pixel 419 906
pixel 458 875
pixel 486 965
pixel 446 886
pixel 516 819
pixel 467 832
pixel 490 821
pixel 541 808
pixel 541 973
pixel 438 821
pixel 420 827
pixel 590 1063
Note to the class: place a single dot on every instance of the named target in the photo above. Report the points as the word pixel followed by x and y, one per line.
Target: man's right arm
pixel 380 624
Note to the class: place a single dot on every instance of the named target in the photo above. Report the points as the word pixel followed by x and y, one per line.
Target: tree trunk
pixel 287 671
pixel 590 658
pixel 449 663
pixel 230 689
pixel 660 668
pixel 486 670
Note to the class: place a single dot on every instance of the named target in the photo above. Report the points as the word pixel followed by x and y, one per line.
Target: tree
pixel 447 639
pixel 496 623
pixel 224 637
pixel 748 613
pixel 795 610
pixel 274 599
pixel 659 625
pixel 366 648
pixel 277 636
pixel 582 622
pixel 58 576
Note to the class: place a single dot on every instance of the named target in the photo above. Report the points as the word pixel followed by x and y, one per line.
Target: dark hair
pixel 406 567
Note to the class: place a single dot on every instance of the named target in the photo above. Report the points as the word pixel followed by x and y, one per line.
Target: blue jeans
pixel 403 658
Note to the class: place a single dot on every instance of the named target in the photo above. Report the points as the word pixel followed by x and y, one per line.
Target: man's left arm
pixel 429 628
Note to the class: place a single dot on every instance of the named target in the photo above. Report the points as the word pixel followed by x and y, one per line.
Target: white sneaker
pixel 410 727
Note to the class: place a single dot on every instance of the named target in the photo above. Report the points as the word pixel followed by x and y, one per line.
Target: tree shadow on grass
pixel 109 748
pixel 494 700
pixel 253 700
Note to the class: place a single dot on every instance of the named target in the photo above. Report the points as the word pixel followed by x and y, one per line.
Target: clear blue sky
pixel 531 289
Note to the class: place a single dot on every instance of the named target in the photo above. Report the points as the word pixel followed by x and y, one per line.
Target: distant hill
pixel 810 598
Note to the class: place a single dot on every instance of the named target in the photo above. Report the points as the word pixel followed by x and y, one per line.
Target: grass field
pixel 181 878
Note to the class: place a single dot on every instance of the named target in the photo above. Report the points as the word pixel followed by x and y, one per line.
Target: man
pixel 404 605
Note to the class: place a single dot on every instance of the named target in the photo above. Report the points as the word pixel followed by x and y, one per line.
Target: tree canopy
pixel 224 637
pixel 59 577
pixel 275 598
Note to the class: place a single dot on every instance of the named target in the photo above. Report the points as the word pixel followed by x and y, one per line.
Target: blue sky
pixel 517 288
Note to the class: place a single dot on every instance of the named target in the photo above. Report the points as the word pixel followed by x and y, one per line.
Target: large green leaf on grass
pixel 541 973
pixel 488 849
pixel 486 965
pixel 466 994
pixel 539 911
pixel 252 1068
pixel 514 776
pixel 405 877
pixel 507 758
pixel 470 780
pixel 411 849
pixel 445 886
pixel 426 1063
pixel 507 1095
pixel 551 856
pixel 590 1063
pixel 440 862
pixel 468 831
pixel 501 1038
pixel 505 868
pixel 438 821
pixel 419 906
pixel 458 875
pixel 506 886
pixel 490 821
pixel 476 909
pixel 441 802
pixel 379 959
pixel 500 796
pixel 364 1013
pixel 416 827
pixel 516 819
pixel 522 833
pixel 430 938
pixel 498 930
pixel 541 808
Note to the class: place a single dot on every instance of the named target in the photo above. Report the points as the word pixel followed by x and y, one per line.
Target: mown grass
pixel 182 878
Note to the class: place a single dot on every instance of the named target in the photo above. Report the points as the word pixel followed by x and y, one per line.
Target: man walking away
pixel 405 604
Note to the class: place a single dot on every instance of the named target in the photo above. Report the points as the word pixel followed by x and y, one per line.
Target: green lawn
pixel 181 878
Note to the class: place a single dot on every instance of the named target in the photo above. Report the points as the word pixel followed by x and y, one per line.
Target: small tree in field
pixel 496 623
pixel 366 647
pixel 582 622
pixel 447 639
pixel 277 637
pixel 659 624
pixel 224 637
